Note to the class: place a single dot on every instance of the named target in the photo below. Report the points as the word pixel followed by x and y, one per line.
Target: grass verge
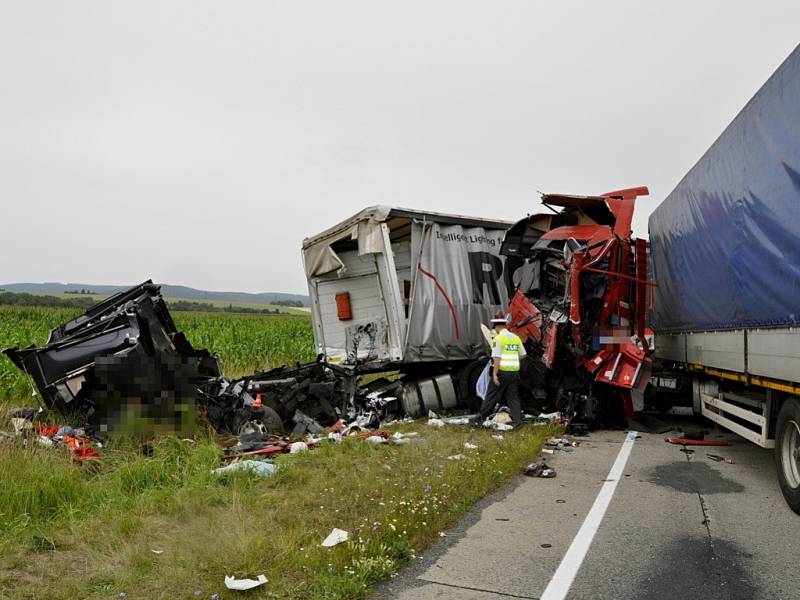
pixel 71 531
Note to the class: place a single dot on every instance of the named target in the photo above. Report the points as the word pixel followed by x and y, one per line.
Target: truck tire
pixel 787 452
pixel 468 379
pixel 261 419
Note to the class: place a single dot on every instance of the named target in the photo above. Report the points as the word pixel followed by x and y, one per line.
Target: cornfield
pixel 245 343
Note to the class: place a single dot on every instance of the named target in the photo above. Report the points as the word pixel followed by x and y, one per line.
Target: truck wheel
pixel 261 419
pixel 468 379
pixel 787 452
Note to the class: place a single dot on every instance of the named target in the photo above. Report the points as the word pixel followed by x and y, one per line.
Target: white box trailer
pixel 398 287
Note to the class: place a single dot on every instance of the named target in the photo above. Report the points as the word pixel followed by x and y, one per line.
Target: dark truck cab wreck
pixel 125 347
pixel 124 365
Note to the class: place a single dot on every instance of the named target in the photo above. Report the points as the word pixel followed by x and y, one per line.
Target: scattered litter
pixel 539 469
pixel 470 446
pixel 547 451
pixel 436 422
pixel 547 417
pixel 157 551
pixel 498 437
pixel 298 447
pixel 547 545
pixel 442 534
pixel 432 415
pixel 456 457
pixel 376 439
pixel 690 442
pixel 258 467
pixel 244 584
pixel 502 519
pixel 502 417
pixel 718 458
pixel 460 420
pixel 688 451
pixel 498 426
pixel 336 536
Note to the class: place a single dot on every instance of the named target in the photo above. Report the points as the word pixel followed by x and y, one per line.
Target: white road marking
pixel 562 579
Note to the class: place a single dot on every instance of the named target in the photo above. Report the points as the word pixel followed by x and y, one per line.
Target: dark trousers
pixel 506 393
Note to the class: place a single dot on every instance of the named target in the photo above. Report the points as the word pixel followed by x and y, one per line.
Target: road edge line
pixel 562 579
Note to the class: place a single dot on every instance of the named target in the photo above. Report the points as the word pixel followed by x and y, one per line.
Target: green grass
pixel 96 526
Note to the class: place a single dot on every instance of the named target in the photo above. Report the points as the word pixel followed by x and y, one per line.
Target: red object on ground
pixel 84 453
pixel 688 442
pixel 81 447
pixel 262 452
pixel 337 427
pixel 47 431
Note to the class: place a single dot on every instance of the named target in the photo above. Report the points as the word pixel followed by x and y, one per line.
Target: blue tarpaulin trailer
pixel 725 251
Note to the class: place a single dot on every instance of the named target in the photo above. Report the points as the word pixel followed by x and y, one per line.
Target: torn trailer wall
pixel 396 286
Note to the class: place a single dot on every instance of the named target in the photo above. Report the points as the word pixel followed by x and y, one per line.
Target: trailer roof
pixel 382 214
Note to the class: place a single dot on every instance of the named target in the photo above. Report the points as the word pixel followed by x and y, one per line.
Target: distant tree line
pixel 25 299
pixel 292 303
pixel 82 291
pixel 207 307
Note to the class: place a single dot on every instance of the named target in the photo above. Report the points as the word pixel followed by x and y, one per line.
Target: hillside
pixel 168 290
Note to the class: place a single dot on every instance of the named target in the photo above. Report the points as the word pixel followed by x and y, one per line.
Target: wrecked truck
pixel 408 291
pixel 124 364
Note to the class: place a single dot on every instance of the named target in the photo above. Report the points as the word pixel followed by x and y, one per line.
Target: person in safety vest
pixel 507 352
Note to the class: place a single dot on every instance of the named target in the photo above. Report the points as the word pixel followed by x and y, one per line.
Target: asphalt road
pixel 678 527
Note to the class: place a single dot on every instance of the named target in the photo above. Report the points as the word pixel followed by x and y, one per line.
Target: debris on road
pixel 718 458
pixel 539 469
pixel 689 442
pixel 244 584
pixel 456 457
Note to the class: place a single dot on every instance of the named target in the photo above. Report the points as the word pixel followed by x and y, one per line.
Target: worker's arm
pixel 496 354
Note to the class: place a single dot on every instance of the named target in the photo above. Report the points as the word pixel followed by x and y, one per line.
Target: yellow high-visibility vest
pixel 510 345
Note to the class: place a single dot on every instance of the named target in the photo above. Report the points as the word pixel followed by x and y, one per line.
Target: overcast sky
pixel 198 143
